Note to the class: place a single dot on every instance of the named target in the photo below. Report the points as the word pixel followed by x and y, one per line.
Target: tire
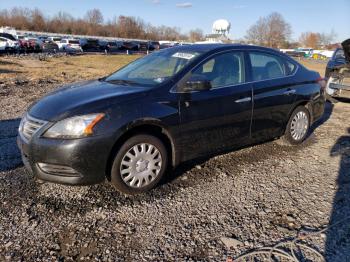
pixel 296 132
pixel 145 152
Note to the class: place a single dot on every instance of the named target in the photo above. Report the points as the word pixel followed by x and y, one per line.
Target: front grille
pixel 29 126
pixel 58 170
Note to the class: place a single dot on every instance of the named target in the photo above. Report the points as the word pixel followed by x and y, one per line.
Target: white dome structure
pixel 221 26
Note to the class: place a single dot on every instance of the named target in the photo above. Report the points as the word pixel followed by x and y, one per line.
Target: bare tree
pixel 196 35
pixel 19 18
pixel 130 27
pixel 310 39
pixel 94 16
pixel 327 39
pixel 92 24
pixel 257 33
pixel 272 31
pixel 37 20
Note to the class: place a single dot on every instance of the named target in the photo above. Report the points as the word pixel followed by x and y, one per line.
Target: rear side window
pixel 267 66
pixel 74 41
pixel 290 67
pixel 223 70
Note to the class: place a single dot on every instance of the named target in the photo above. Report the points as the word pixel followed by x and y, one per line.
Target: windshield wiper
pixel 122 82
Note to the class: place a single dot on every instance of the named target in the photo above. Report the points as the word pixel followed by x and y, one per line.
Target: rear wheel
pixel 298 126
pixel 139 164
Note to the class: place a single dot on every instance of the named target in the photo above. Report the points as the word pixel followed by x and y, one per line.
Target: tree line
pixel 272 30
pixel 93 23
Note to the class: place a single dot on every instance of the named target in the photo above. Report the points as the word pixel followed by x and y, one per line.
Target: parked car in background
pixel 168 107
pixel 109 46
pixel 307 51
pixel 8 36
pixel 142 46
pixel 33 44
pixel 185 43
pixel 7 45
pixel 295 53
pixel 49 46
pixel 42 37
pixel 338 72
pixel 153 45
pixel 114 46
pixel 70 45
pixel 130 46
pixel 165 45
pixel 55 39
pixel 28 44
pixel 90 45
pixel 22 43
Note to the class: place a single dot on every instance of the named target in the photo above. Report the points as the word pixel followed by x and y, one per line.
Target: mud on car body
pixel 168 107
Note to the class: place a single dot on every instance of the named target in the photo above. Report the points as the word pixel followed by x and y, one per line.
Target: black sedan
pixel 168 107
pixel 48 46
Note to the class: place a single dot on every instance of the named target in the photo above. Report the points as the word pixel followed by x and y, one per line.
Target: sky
pixel 304 15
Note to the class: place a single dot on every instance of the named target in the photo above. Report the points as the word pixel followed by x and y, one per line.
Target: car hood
pixel 346 48
pixel 83 98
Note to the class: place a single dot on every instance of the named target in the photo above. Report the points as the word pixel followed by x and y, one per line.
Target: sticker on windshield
pixel 183 55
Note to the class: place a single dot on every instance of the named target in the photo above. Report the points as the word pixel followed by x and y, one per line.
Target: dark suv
pixel 168 107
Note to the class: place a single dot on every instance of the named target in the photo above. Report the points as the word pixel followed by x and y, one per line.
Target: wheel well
pixel 306 104
pixel 148 129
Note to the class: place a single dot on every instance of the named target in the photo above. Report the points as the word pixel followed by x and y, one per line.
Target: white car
pixel 7 44
pixel 70 45
pixel 55 39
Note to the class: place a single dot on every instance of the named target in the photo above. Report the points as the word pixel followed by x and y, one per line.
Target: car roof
pixel 218 47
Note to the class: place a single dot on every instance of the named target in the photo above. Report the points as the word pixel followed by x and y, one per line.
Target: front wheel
pixel 139 164
pixel 298 126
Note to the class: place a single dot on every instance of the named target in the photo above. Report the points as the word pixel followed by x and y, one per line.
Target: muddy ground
pixel 254 197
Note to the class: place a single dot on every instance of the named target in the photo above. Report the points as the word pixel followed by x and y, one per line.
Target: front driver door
pixel 216 119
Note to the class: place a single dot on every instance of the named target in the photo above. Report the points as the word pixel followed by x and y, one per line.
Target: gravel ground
pixel 206 210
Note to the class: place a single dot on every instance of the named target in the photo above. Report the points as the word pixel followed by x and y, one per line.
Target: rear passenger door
pixel 273 93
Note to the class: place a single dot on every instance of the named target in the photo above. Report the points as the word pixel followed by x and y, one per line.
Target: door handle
pixel 289 92
pixel 242 100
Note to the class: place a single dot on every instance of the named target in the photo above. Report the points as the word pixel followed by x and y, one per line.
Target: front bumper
pixel 87 157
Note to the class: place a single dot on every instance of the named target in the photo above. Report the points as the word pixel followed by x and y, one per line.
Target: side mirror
pixel 197 83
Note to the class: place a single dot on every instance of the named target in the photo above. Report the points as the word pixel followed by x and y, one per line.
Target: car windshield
pixel 153 69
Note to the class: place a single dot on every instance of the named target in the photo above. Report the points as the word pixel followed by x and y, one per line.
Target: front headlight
pixel 74 127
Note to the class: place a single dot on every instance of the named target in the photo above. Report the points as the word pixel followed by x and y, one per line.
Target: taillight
pixel 322 82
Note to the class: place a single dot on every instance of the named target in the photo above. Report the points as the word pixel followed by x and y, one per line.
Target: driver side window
pixel 225 69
